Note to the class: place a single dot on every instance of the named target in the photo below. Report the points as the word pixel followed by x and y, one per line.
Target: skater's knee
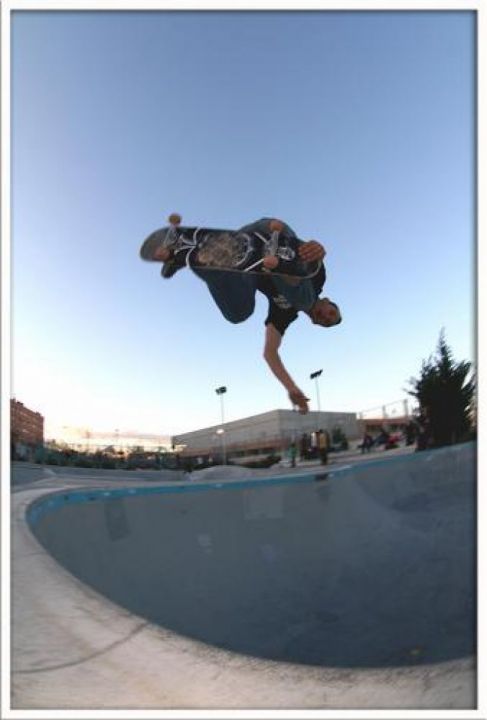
pixel 238 312
pixel 238 316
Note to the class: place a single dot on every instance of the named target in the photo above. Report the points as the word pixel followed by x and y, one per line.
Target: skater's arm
pixel 272 342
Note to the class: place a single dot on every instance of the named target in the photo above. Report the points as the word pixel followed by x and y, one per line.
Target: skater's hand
pixel 299 399
pixel 161 253
pixel 311 251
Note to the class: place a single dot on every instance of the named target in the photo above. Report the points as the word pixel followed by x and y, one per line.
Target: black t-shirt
pixel 281 313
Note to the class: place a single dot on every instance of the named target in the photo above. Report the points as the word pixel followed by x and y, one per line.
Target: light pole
pixel 221 392
pixel 221 432
pixel 314 376
pixel 406 408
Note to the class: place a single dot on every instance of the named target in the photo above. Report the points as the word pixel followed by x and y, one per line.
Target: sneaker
pixel 169 269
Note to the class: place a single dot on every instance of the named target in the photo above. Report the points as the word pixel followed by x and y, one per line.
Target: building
pixel 373 426
pixel 392 417
pixel 83 439
pixel 263 434
pixel 26 429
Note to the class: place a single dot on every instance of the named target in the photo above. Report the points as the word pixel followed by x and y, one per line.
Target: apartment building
pixel 26 426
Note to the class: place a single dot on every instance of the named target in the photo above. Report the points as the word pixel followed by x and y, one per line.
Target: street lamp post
pixel 221 391
pixel 221 433
pixel 314 376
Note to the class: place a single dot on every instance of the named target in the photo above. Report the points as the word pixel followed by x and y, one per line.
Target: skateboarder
pixel 234 293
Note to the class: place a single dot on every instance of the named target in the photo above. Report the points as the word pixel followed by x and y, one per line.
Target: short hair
pixel 337 309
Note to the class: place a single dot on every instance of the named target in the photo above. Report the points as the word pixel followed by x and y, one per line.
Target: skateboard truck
pixel 171 237
pixel 276 227
pixel 172 241
pixel 177 242
pixel 271 245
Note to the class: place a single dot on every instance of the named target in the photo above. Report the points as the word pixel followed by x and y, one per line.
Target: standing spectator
pixel 323 443
pixel 367 443
pixel 292 454
pixel 313 445
pixel 304 447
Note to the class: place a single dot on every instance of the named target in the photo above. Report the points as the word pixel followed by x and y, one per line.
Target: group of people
pixel 313 445
pixel 385 438
pixel 417 430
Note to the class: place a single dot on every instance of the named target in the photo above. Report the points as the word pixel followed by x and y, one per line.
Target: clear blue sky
pixel 357 128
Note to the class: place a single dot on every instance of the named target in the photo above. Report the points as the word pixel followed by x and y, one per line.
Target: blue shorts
pixel 234 292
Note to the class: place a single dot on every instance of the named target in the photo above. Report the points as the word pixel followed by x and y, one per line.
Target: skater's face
pixel 325 313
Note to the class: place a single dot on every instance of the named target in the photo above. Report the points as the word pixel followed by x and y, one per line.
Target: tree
pixel 445 392
pixel 338 437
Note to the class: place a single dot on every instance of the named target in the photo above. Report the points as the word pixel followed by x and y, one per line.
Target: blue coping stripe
pixel 39 508
pixel 43 506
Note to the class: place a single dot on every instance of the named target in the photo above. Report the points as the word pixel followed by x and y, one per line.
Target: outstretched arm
pixel 272 342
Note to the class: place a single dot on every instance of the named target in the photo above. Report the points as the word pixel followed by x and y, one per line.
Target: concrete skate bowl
pixel 372 567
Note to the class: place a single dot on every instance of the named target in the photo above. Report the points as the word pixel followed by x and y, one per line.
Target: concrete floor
pixel 354 590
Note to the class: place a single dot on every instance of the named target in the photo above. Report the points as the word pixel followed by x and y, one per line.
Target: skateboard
pixel 274 251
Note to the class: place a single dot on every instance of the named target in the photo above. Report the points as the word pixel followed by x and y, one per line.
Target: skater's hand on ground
pixel 311 251
pixel 299 399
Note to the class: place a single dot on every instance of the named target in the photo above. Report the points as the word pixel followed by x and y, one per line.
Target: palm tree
pixel 446 396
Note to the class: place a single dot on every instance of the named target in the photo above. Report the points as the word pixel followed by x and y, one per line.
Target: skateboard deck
pixel 230 250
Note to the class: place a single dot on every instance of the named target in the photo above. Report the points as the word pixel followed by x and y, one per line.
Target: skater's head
pixel 325 312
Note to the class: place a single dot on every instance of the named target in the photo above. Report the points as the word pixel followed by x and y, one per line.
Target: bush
pixel 445 392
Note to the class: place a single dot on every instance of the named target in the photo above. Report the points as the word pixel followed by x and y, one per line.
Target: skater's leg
pixel 233 292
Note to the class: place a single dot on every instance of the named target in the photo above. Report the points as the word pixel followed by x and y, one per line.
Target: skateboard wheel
pixel 270 262
pixel 175 219
pixel 276 226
